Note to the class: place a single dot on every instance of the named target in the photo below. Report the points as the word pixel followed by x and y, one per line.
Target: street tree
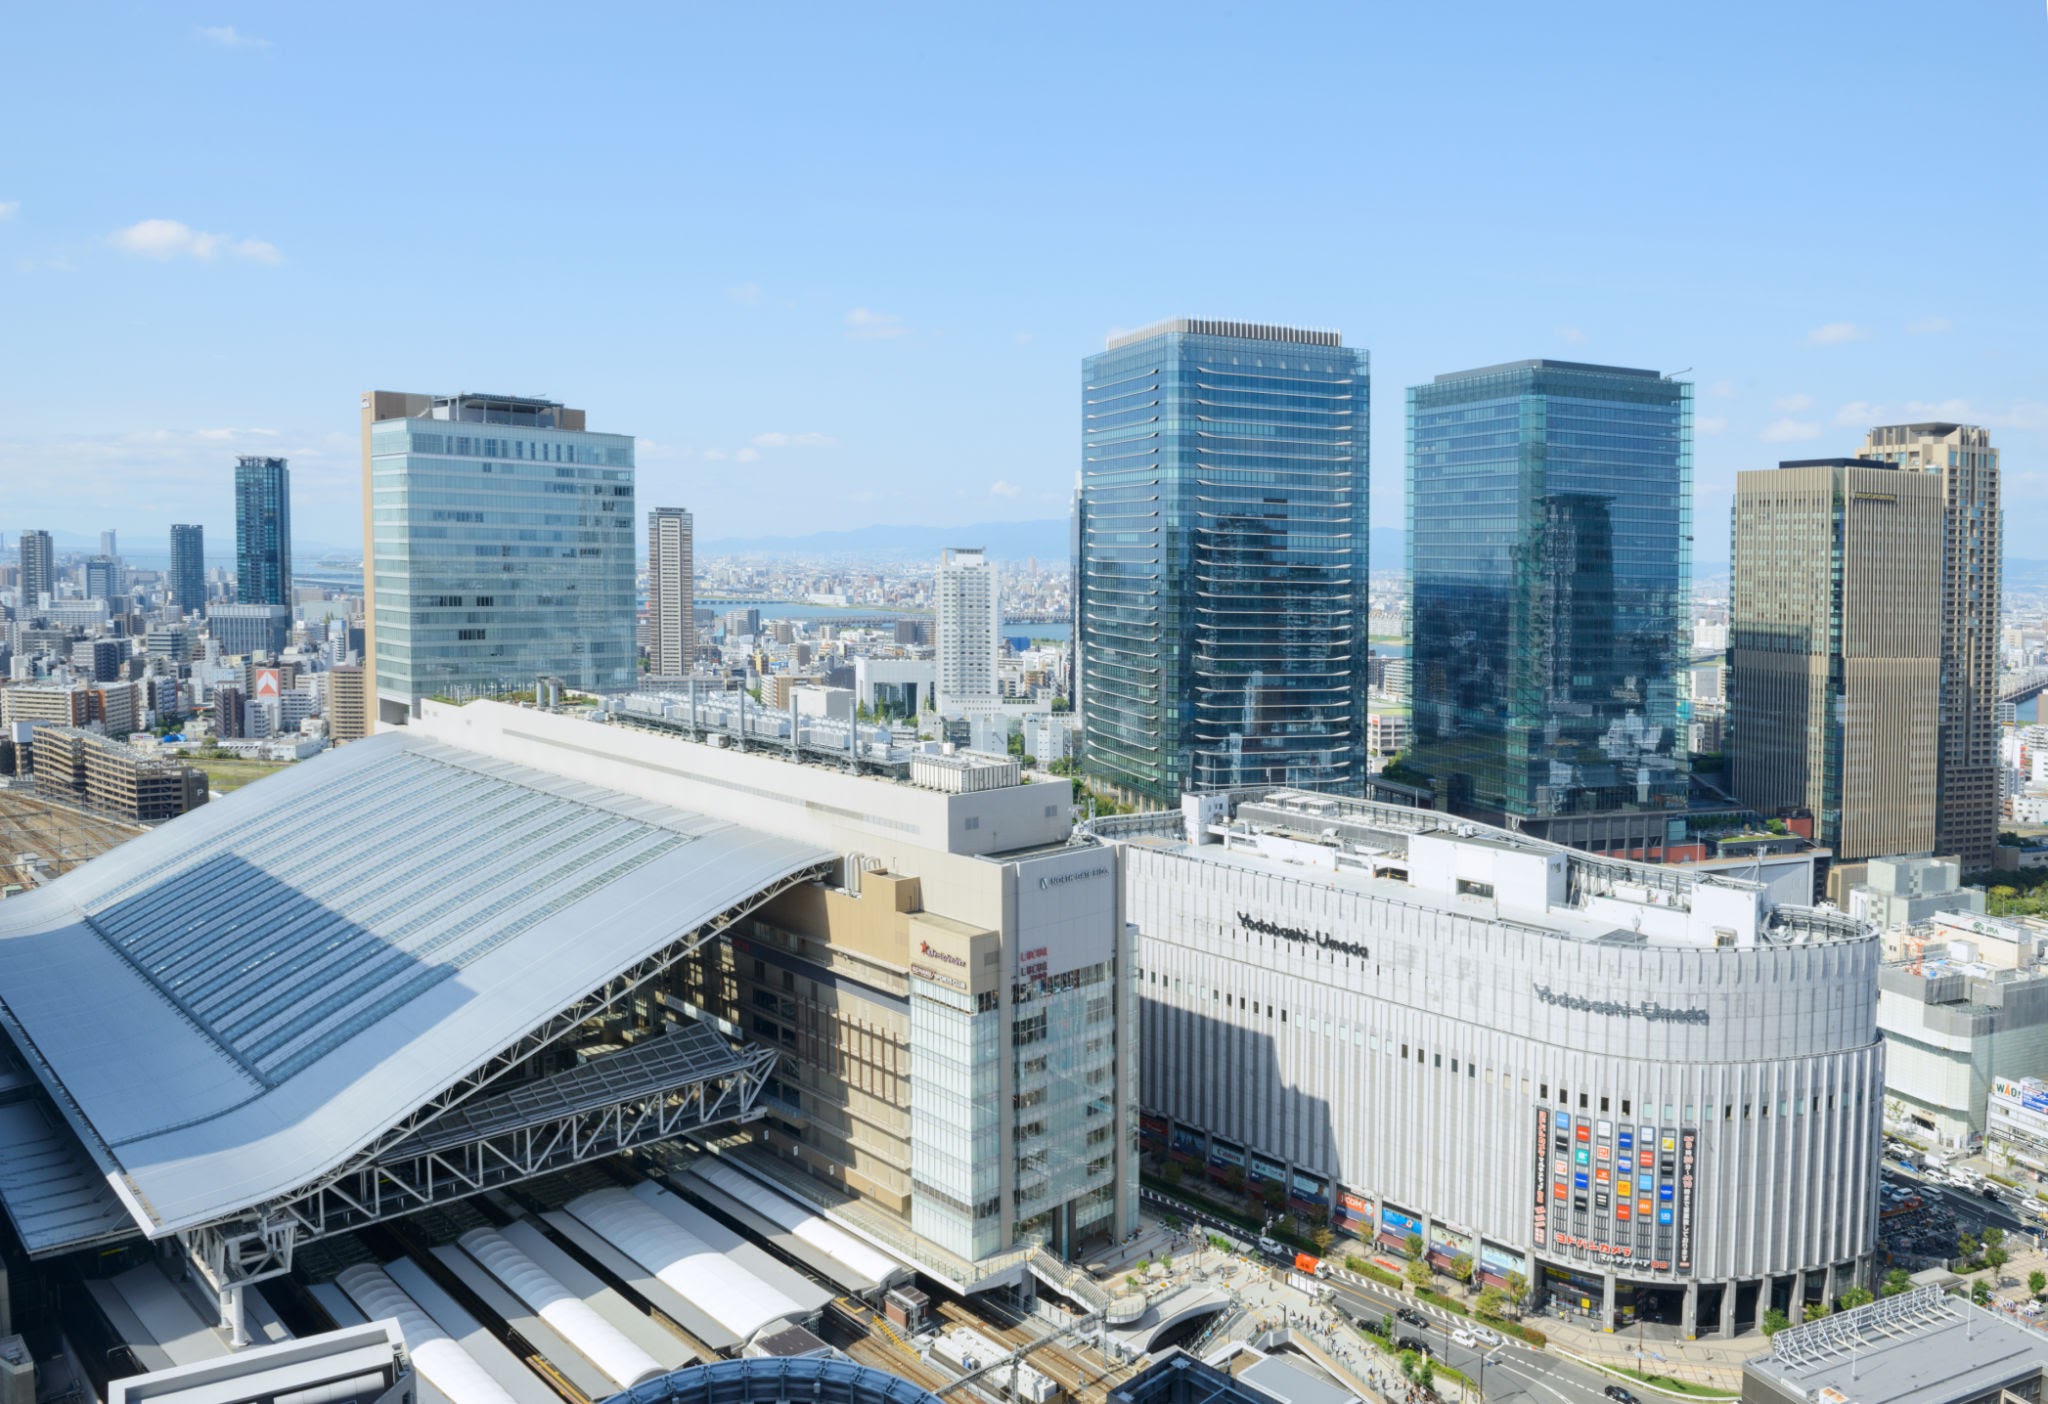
pixel 1417 1273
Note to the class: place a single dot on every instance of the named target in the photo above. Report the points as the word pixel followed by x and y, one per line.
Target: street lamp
pixel 1487 1358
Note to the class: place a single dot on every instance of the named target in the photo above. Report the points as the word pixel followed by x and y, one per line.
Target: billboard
pixel 1541 1224
pixel 1066 913
pixel 1688 1160
pixel 268 688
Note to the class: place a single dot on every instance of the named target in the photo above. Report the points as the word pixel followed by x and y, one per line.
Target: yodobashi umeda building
pixel 1638 1089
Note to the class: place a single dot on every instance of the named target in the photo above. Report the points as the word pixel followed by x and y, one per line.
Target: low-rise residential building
pixel 87 768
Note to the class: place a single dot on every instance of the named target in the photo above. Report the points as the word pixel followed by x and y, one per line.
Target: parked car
pixel 1412 1317
pixel 1414 1343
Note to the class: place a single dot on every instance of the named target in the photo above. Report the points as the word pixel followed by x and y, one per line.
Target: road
pixel 1514 1372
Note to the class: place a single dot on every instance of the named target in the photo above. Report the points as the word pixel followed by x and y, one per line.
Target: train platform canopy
pixel 237 1004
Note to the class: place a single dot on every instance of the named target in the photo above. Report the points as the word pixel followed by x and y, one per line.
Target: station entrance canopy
pixel 317 1003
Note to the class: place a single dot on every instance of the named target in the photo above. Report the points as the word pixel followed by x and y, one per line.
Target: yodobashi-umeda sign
pixel 1066 913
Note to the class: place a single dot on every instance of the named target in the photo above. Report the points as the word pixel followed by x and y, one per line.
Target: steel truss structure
pixel 462 1143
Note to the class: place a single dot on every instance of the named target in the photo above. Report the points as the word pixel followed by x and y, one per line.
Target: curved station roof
pixel 230 1007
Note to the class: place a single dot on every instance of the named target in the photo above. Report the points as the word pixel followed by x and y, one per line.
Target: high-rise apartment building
pixel 671 593
pixel 349 713
pixel 1835 650
pixel 38 570
pixel 188 568
pixel 1222 614
pixel 263 531
pixel 1549 560
pixel 968 630
pixel 500 545
pixel 1961 456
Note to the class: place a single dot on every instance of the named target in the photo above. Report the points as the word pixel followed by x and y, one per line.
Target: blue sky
pixel 838 264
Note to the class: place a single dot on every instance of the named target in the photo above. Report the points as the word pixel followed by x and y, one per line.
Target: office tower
pixel 1222 616
pixel 1961 456
pixel 246 630
pixel 263 531
pixel 527 568
pixel 1549 556
pixel 1835 650
pixel 188 568
pixel 968 629
pixel 107 544
pixel 671 597
pixel 103 581
pixel 38 571
pixel 348 703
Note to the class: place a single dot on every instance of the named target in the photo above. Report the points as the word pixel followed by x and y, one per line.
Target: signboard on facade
pixel 1542 1220
pixel 1688 1160
pixel 268 688
pixel 1066 913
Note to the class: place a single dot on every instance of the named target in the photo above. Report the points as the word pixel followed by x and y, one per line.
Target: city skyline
pixel 222 315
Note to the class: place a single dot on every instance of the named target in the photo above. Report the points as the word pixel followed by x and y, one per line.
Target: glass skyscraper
pixel 188 568
pixel 263 531
pixel 501 548
pixel 1549 560
pixel 1222 540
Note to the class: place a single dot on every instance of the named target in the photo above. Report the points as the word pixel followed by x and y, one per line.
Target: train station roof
pixel 230 1007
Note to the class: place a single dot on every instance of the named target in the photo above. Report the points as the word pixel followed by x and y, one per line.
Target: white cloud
pixel 776 438
pixel 1929 326
pixel 228 37
pixel 1792 404
pixel 1571 336
pixel 168 238
pixel 1710 424
pixel 715 455
pixel 1860 414
pixel 1789 431
pixel 1723 390
pixel 1002 487
pixel 862 324
pixel 745 293
pixel 9 209
pixel 1835 334
pixel 747 455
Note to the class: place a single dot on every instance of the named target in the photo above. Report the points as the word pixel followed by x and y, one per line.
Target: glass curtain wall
pixel 1549 543
pixel 1223 539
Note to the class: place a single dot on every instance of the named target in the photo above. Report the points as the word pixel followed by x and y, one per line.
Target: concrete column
pixel 1763 1301
pixel 231 1317
pixel 1689 1315
pixel 1607 1302
pixel 1796 1308
pixel 1828 1289
pixel 1728 1307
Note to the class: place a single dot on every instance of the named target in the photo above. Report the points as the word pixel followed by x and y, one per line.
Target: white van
pixel 1272 1249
